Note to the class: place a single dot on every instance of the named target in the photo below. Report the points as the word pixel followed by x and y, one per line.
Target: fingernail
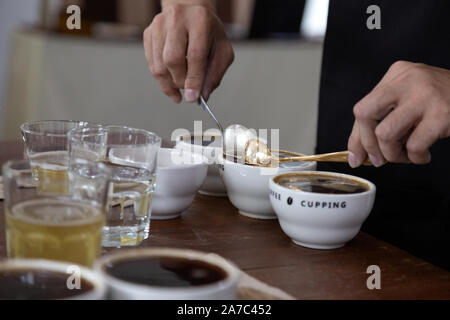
pixel 376 160
pixel 191 95
pixel 353 160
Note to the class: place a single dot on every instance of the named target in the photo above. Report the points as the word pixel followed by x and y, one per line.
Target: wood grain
pixel 263 251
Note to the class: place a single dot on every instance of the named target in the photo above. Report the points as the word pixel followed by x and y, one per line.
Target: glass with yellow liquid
pixel 46 147
pixel 52 225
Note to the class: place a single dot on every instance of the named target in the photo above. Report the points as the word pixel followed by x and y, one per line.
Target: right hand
pixel 186 48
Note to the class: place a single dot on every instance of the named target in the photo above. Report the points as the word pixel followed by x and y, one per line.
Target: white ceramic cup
pixel 321 220
pixel 97 293
pixel 225 289
pixel 248 186
pixel 213 185
pixel 179 175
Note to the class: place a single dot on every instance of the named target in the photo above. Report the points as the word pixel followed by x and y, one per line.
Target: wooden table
pixel 262 250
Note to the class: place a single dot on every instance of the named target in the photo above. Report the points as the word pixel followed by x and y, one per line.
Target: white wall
pixel 13 13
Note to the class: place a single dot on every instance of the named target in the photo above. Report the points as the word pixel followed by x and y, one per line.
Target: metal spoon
pixel 206 108
pixel 258 154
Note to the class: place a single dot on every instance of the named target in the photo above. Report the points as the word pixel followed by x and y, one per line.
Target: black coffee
pixel 323 184
pixel 166 271
pixel 31 284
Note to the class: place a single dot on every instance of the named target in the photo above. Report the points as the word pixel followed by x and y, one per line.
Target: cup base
pixel 318 246
pixel 124 236
pixel 166 217
pixel 212 194
pixel 257 216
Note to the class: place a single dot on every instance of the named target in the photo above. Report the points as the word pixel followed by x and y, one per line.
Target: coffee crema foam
pixel 322 183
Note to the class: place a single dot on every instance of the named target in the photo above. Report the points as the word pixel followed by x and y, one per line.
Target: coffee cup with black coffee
pixel 321 210
pixel 168 274
pixel 28 279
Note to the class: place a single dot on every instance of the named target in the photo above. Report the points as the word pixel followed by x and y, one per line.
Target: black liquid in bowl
pixel 164 271
pixel 318 183
pixel 34 284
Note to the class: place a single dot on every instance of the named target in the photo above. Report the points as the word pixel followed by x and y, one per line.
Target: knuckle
pixel 174 9
pixel 360 111
pixel 204 17
pixel 172 58
pixel 399 65
pixel 158 71
pixel 415 147
pixel 384 132
pixel 147 33
pixel 157 21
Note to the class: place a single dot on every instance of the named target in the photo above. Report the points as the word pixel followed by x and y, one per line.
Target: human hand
pixel 186 48
pixel 402 117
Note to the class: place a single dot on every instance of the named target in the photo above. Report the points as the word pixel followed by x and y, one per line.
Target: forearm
pixel 206 3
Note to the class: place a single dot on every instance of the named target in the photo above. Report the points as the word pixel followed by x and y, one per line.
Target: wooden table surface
pixel 262 250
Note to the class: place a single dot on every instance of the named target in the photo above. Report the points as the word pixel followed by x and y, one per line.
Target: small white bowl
pixel 225 289
pixel 213 185
pixel 179 175
pixel 97 293
pixel 321 220
pixel 248 186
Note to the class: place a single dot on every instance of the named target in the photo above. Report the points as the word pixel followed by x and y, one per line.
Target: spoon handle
pixel 341 156
pixel 207 109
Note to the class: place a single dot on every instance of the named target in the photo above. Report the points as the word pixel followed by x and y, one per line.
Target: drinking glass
pixel 132 155
pixel 56 226
pixel 46 147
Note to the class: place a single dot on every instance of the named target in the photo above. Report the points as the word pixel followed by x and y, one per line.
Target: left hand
pixel 402 117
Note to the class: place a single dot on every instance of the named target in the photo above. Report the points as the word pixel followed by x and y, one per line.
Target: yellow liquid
pixel 54 229
pixel 50 170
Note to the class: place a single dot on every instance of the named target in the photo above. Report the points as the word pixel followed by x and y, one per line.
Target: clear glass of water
pixel 46 147
pixel 132 155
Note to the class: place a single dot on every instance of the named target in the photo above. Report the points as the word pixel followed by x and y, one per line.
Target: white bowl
pixel 97 293
pixel 225 289
pixel 213 185
pixel 248 186
pixel 321 220
pixel 179 175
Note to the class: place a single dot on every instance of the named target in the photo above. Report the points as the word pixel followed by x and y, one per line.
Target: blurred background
pixel 99 73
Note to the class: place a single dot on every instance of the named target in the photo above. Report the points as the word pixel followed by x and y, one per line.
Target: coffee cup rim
pixel 231 270
pixel 370 186
pixel 98 290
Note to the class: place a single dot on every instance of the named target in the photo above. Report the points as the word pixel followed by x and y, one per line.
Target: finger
pixel 148 47
pixel 372 108
pixel 222 57
pixel 160 71
pixel 174 56
pixel 377 104
pixel 424 135
pixel 357 154
pixel 393 131
pixel 197 61
pixel 370 142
